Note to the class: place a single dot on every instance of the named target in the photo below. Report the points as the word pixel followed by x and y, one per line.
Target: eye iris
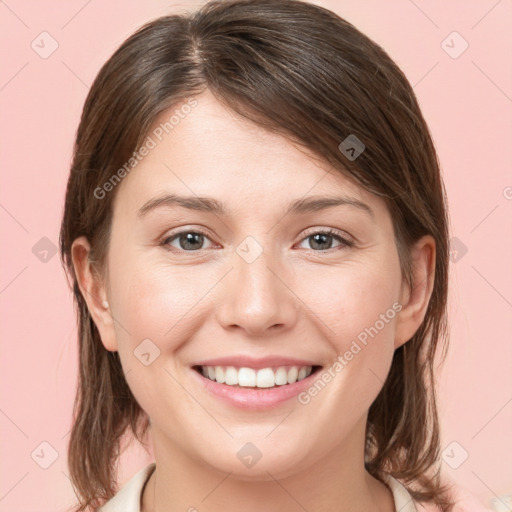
pixel 188 239
pixel 319 239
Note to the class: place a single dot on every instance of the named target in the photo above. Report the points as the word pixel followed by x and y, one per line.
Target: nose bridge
pixel 256 297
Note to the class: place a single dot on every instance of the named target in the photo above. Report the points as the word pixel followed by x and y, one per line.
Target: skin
pixel 296 300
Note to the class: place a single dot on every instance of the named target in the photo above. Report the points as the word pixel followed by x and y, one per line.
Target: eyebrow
pixel 208 204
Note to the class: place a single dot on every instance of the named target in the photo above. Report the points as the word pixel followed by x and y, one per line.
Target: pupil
pixel 321 239
pixel 187 240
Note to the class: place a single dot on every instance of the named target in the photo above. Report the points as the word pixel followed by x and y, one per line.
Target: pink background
pixel 467 102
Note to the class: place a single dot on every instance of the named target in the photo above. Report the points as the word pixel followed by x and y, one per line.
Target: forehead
pixel 209 150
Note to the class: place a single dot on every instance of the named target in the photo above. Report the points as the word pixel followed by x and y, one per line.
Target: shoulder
pixel 128 498
pixel 463 501
pixel 402 498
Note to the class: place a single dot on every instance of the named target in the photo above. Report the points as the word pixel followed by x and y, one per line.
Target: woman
pixel 256 234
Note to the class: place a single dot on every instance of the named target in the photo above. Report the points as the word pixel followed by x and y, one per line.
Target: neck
pixel 336 481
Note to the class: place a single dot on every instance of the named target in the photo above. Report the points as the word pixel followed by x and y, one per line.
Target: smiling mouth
pixel 249 378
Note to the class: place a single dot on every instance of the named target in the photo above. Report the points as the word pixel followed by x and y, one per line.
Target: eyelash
pixel 330 232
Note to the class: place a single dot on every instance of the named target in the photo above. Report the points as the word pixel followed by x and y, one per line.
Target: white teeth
pixel 220 376
pixel 265 378
pixel 231 376
pixel 247 377
pixel 292 375
pixel 262 378
pixel 281 376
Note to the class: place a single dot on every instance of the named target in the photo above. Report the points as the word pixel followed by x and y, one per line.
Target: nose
pixel 257 298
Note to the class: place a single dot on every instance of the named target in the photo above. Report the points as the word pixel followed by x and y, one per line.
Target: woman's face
pixel 257 280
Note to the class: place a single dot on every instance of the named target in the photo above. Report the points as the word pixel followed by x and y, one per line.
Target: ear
pixel 415 301
pixel 94 292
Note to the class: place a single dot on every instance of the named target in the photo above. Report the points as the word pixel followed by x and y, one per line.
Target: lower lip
pixel 255 399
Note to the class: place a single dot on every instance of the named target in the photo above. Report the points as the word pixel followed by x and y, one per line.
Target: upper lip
pixel 253 362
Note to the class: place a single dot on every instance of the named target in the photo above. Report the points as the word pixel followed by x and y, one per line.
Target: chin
pixel 250 463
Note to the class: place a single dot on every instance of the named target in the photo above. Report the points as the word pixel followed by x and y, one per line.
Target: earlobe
pixel 415 300
pixel 94 293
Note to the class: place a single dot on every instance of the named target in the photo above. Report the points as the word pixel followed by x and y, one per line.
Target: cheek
pixel 157 309
pixel 356 308
pixel 354 298
pixel 357 317
pixel 156 301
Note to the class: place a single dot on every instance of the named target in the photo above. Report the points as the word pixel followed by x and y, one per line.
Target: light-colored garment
pixel 128 499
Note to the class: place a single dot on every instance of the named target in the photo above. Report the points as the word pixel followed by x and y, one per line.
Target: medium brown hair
pixel 301 71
